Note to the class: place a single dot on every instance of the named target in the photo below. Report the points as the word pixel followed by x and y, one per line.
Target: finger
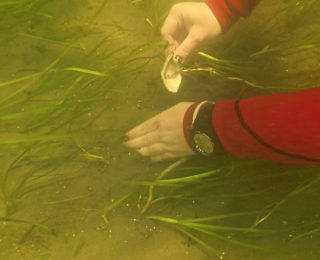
pixel 189 44
pixel 170 49
pixel 164 156
pixel 148 126
pixel 169 29
pixel 153 150
pixel 171 40
pixel 145 140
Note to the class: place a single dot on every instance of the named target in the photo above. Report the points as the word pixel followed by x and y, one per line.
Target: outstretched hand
pixel 188 25
pixel 161 137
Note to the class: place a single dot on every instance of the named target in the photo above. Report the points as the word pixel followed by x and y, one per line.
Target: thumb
pixel 189 44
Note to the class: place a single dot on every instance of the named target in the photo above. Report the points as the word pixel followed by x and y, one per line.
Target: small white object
pixel 171 75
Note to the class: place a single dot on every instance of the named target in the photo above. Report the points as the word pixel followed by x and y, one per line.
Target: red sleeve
pixel 229 11
pixel 283 127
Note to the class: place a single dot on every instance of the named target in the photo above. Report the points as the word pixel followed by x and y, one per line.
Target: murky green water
pixel 75 76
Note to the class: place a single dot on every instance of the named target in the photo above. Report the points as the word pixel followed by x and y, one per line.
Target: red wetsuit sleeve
pixel 283 127
pixel 229 11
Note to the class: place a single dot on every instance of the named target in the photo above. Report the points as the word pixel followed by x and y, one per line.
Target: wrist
pixel 198 130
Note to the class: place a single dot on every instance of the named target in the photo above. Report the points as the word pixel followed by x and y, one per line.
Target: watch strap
pixel 198 118
pixel 203 124
pixel 187 124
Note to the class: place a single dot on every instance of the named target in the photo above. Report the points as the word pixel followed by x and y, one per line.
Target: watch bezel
pixel 197 147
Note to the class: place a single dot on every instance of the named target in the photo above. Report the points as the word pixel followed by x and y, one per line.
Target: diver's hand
pixel 188 25
pixel 162 137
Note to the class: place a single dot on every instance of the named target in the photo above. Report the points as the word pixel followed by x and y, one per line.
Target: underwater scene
pixel 76 76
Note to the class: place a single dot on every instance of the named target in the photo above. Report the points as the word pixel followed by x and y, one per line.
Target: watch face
pixel 203 143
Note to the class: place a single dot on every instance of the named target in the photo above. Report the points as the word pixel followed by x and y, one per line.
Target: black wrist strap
pixel 203 124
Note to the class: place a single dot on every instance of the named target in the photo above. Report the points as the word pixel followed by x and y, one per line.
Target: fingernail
pixel 178 59
pixel 126 143
pixel 141 151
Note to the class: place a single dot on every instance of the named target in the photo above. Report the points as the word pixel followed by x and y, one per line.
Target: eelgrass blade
pixel 230 240
pixel 63 96
pixel 164 219
pixel 80 245
pixel 19 191
pixel 27 234
pixel 57 60
pixel 45 121
pixel 226 228
pixel 94 49
pixel 90 155
pixel 211 230
pixel 13 94
pixel 42 257
pixel 47 40
pixel 289 50
pixel 57 137
pixel 249 194
pixel 4 180
pixel 46 69
pixel 8 219
pixel 53 202
pixel 145 47
pixel 49 108
pixel 146 183
pixel 98 12
pixel 14 81
pixel 218 217
pixel 37 187
pixel 161 175
pixel 192 178
pixel 221 67
pixel 118 202
pixel 317 230
pixel 211 227
pixel 86 71
pixel 8 3
pixel 39 138
pixel 200 242
pixel 295 192
pixel 177 197
pixel 210 57
pixel 29 231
